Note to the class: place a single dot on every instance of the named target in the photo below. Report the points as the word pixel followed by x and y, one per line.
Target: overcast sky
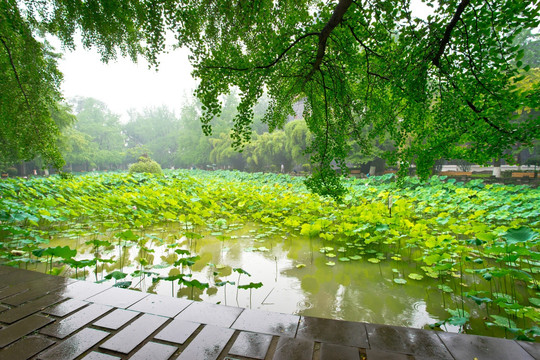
pixel 124 85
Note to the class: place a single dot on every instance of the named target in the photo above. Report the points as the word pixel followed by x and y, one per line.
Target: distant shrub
pixel 306 167
pixel 145 165
pixel 65 175
pixel 11 171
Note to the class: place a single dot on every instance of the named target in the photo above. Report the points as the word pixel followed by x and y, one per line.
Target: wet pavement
pixel 48 317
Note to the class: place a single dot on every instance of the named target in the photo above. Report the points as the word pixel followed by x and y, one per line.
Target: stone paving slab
pixel 160 305
pixel 177 331
pixel 75 345
pixel 26 348
pixel 80 320
pixel 117 297
pixel 29 308
pixel 267 322
pixel 210 342
pixel 66 307
pixel 26 326
pixel 62 328
pixel 116 319
pixel 251 345
pixel 134 334
pixel 211 314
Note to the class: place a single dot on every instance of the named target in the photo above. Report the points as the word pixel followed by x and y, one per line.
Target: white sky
pixel 124 85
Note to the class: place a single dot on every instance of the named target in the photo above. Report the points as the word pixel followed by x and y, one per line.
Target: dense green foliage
pixel 472 232
pixel 145 165
pixel 98 140
pixel 440 87
pixel 29 91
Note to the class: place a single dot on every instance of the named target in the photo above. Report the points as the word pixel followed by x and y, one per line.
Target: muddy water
pixel 295 276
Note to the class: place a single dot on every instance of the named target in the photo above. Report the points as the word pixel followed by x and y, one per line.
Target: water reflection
pixel 354 290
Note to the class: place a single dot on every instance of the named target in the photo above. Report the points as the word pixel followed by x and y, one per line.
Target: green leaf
pixel 415 276
pixel 123 284
pixel 251 285
pixel 519 235
pixel 445 288
pixel 400 281
pixel 117 275
pixel 241 271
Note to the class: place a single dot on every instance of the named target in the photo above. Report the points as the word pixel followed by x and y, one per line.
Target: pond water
pixel 296 276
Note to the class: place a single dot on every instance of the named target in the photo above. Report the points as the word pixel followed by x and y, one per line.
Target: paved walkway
pixel 49 317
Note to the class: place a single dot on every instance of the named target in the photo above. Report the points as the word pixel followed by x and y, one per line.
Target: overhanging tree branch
pixel 448 32
pixel 269 65
pixel 17 78
pixel 335 20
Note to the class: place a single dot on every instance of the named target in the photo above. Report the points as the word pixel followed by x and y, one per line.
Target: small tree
pixel 145 165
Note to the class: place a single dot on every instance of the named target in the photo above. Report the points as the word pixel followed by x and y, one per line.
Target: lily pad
pixel 400 281
pixel 518 235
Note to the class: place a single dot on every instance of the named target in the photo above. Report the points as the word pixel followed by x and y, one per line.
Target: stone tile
pixel 82 289
pixel 17 288
pixel 21 328
pixel 66 307
pixel 74 322
pixel 38 289
pixel 267 322
pixel 208 344
pixel 212 314
pixel 337 332
pixel 160 305
pixel 94 355
pixel 116 319
pixel 332 351
pixel 532 348
pixel 177 331
pixel 154 351
pixel 120 298
pixel 375 354
pixel 26 348
pixel 251 345
pixel 74 346
pixel 417 342
pixel 3 308
pixel 20 312
pixel 14 276
pixel 482 347
pixel 290 348
pixel 6 269
pixel 135 333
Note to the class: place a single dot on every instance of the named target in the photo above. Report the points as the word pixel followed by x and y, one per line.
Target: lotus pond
pixel 441 254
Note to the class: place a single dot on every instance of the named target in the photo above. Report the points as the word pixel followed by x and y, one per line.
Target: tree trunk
pixel 497 168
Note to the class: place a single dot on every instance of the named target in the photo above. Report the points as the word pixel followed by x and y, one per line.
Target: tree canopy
pixel 440 87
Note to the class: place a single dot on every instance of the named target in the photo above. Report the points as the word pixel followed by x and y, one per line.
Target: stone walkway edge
pixel 55 318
